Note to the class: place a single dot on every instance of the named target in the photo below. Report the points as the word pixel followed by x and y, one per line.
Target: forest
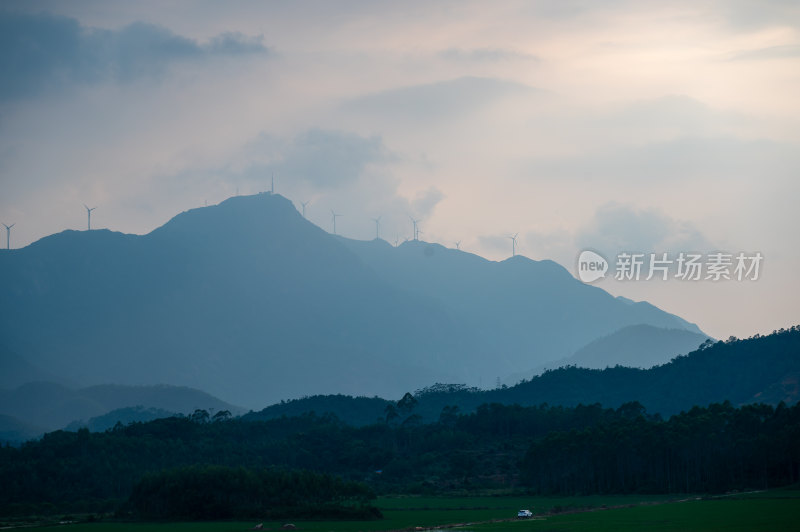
pixel 539 449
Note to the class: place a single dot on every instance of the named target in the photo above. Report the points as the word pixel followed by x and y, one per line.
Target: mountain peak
pixel 253 303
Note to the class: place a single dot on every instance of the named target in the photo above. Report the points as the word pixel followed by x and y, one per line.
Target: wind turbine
pixel 89 214
pixel 304 203
pixel 272 185
pixel 514 244
pixel 334 216
pixel 458 244
pixel 416 231
pixel 8 235
pixel 377 226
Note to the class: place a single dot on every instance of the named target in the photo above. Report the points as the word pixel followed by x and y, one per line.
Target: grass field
pixel 777 510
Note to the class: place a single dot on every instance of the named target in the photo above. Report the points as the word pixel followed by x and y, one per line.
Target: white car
pixel 524 513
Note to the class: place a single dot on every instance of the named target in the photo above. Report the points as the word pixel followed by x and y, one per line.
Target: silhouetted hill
pixel 125 416
pixel 757 370
pixel 15 370
pixel 14 431
pixel 742 371
pixel 520 312
pixel 53 406
pixel 251 302
pixel 635 346
pixel 355 411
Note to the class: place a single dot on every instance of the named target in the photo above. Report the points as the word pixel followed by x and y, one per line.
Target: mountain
pixel 354 411
pixel 758 369
pixel 762 369
pixel 15 370
pixel 52 406
pixel 251 302
pixel 635 346
pixel 125 416
pixel 518 312
pixel 15 431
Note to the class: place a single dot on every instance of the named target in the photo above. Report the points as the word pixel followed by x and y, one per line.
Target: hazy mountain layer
pixel 52 406
pixel 635 346
pixel 757 370
pixel 253 303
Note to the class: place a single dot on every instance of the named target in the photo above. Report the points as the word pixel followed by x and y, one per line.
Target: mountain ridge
pixel 52 406
pixel 762 369
pixel 251 302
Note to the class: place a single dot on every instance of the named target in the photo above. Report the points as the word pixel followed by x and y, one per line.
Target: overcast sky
pixel 616 126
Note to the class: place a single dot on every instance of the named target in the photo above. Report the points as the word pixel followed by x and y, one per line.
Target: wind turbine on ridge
pixel 304 203
pixel 377 226
pixel 458 244
pixel 334 216
pixel 89 214
pixel 8 235
pixel 416 231
pixel 514 244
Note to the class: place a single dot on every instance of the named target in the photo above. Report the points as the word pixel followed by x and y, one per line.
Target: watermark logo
pixel 591 266
pixel 630 266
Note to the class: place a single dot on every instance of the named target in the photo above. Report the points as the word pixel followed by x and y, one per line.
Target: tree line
pixel 714 449
pixel 545 449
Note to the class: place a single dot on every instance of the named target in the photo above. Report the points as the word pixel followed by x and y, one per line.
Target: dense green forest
pixel 585 449
pixel 403 447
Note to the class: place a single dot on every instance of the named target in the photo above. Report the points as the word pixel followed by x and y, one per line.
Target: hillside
pixel 635 346
pixel 521 312
pixel 124 416
pixel 51 406
pixel 251 302
pixel 14 431
pixel 756 370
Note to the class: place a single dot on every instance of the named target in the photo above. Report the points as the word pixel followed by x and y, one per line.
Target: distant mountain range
pixel 39 407
pixel 635 346
pixel 252 303
pixel 757 370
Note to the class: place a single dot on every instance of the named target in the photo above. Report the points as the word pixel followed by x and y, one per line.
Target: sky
pixel 620 127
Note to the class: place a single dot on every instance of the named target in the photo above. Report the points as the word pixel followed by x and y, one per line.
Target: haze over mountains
pixel 249 301
pixel 634 346
pixel 47 406
pixel 763 369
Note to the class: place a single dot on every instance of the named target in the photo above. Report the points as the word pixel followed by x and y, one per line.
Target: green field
pixel 777 510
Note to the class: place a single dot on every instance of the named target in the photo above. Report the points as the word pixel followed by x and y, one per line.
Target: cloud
pixel 46 51
pixel 321 158
pixel 616 227
pixel 747 16
pixel 787 51
pixel 439 100
pixel 485 55
pixel 612 229
pixel 235 43
pixel 676 113
pixel 678 160
pixel 425 201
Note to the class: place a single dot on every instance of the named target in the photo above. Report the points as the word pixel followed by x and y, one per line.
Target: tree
pixel 199 416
